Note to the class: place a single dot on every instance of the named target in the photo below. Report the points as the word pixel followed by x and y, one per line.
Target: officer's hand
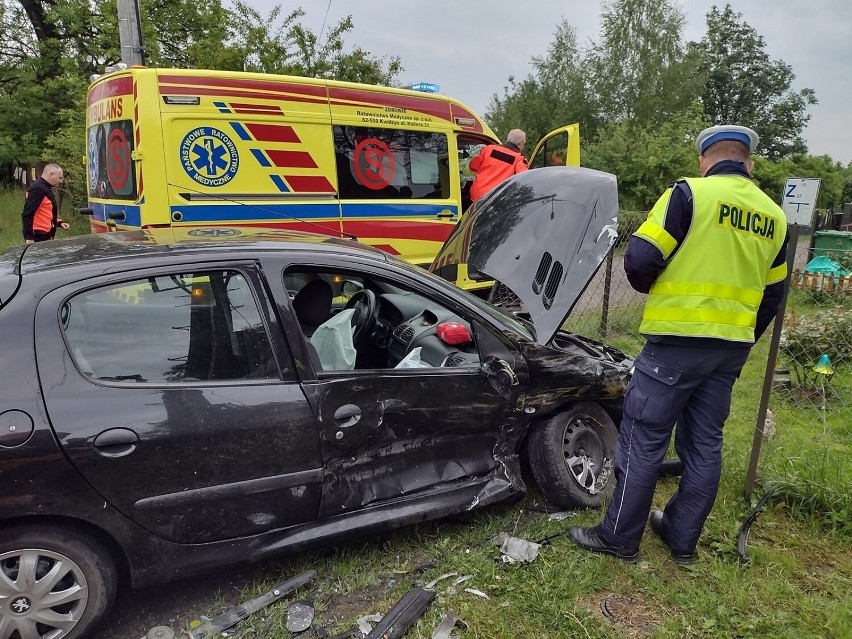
pixel 64 226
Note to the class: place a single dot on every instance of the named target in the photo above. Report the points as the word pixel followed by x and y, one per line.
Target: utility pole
pixel 130 33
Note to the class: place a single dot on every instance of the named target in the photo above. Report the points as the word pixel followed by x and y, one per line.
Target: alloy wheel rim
pixel 43 594
pixel 585 452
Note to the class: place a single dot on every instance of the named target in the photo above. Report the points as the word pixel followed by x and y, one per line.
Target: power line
pixel 323 22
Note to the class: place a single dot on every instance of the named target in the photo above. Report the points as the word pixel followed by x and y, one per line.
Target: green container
pixel 832 243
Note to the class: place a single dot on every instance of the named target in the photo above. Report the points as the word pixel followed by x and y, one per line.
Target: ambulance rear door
pixel 560 147
pixel 250 151
pixel 397 168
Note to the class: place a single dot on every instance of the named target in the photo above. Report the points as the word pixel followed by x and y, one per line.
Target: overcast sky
pixel 471 47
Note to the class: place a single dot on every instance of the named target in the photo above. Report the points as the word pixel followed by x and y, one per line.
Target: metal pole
pixel 770 367
pixel 130 33
pixel 606 292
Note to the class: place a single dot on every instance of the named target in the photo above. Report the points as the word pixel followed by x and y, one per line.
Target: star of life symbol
pixel 209 156
pixel 21 605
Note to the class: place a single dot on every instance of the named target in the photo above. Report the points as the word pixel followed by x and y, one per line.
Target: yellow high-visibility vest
pixel 713 285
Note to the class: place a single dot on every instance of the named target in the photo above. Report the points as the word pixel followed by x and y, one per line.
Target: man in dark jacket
pixel 40 217
pixel 711 257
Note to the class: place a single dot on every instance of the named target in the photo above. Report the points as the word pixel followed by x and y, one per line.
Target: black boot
pixel 682 557
pixel 588 539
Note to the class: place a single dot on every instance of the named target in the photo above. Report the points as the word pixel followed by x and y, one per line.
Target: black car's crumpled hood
pixel 543 233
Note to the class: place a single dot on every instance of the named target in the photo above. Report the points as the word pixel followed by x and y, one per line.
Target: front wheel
pixel 572 456
pixel 54 583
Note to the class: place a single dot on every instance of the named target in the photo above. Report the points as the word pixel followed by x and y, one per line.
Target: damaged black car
pixel 173 407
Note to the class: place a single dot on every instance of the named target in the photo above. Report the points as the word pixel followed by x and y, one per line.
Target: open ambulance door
pixel 560 147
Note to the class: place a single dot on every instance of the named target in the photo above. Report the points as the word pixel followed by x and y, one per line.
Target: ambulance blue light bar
pixel 426 87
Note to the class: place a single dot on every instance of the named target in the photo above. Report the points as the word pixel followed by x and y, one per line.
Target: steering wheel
pixel 366 310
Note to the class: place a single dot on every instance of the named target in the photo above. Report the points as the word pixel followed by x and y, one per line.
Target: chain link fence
pixel 807 438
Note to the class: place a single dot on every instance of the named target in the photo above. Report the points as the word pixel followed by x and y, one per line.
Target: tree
pixel 51 47
pixel 640 69
pixel 647 157
pixel 744 86
pixel 770 176
pixel 278 43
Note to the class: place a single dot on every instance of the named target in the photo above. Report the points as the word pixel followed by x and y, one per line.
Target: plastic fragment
pixel 460 580
pixel 445 627
pixel 478 593
pixel 432 583
pixel 516 549
pixel 403 614
pixel 562 514
pixel 364 623
pixel 300 616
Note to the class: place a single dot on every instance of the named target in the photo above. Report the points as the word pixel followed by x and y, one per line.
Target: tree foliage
pixel 646 157
pixel 556 94
pixel 745 86
pixel 51 47
pixel 641 94
pixel 640 69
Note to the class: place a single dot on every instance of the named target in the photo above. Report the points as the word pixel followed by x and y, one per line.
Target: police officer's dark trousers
pixel 672 383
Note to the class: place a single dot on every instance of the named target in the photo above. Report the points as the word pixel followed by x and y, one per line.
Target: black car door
pixel 391 433
pixel 165 391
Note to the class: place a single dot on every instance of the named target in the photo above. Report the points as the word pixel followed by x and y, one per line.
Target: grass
pixel 797 585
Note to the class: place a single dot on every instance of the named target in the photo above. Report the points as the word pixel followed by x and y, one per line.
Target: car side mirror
pixel 500 375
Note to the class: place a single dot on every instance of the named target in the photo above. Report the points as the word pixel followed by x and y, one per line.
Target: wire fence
pixel 811 397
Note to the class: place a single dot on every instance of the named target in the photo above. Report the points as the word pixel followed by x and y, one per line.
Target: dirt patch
pixel 636 615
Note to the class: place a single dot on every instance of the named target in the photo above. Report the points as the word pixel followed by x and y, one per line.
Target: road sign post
pixel 798 201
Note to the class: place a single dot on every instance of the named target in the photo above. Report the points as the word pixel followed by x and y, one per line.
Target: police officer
pixel 711 256
pixel 496 163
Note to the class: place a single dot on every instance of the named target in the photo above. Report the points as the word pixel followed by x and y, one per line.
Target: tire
pixel 80 592
pixel 572 456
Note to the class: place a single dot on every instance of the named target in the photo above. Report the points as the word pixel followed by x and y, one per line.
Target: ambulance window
pixel 111 175
pixel 377 163
pixel 469 148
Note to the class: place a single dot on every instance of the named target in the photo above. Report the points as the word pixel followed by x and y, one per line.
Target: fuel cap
pixel 16 427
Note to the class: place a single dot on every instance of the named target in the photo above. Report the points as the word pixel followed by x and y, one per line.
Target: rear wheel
pixel 572 455
pixel 54 583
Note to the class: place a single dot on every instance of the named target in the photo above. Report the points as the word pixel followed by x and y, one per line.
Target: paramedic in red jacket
pixel 41 213
pixel 497 163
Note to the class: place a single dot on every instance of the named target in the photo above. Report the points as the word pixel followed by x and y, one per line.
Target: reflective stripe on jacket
pixel 494 164
pixel 713 284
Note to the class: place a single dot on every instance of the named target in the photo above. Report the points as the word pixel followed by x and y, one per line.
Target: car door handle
pixel 116 442
pixel 446 213
pixel 347 415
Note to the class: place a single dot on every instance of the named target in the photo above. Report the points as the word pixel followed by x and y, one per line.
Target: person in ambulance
pixel 496 163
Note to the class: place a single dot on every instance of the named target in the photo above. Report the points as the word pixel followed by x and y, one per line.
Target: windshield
pixel 505 318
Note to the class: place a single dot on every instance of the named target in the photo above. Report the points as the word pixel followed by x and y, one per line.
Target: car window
pixel 175 328
pixel 356 321
pixel 375 163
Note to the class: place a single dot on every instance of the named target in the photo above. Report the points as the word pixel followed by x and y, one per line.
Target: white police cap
pixel 726 132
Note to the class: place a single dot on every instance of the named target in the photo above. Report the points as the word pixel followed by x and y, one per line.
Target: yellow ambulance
pixel 196 151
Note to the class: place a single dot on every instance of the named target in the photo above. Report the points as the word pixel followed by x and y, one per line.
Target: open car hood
pixel 543 234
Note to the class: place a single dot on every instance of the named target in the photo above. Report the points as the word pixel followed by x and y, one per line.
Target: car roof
pixel 132 246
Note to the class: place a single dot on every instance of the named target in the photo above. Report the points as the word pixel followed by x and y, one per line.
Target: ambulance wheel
pixel 572 456
pixel 59 583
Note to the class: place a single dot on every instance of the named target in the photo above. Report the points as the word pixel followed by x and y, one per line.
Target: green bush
pixel 806 337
